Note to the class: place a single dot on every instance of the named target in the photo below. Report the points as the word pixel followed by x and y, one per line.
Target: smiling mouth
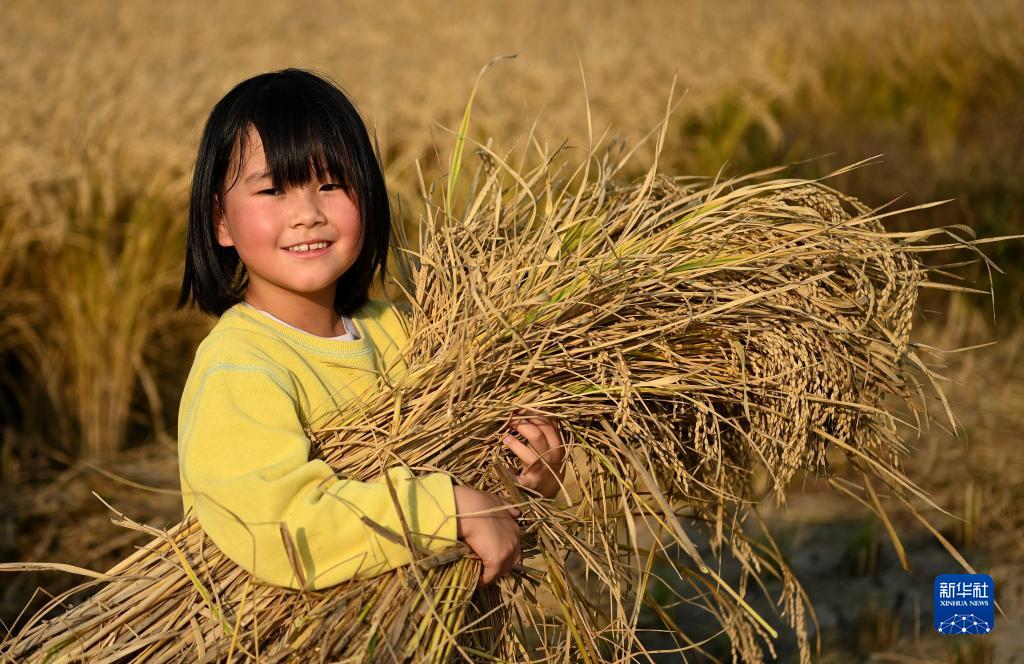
pixel 309 248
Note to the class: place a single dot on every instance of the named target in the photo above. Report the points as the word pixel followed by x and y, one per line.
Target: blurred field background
pixel 101 109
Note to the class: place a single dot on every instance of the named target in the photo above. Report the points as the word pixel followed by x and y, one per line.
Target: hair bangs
pixel 302 148
pixel 304 137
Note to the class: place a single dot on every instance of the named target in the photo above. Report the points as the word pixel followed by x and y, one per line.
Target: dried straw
pixel 685 332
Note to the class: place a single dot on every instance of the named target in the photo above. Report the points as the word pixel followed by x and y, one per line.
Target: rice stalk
pixel 685 332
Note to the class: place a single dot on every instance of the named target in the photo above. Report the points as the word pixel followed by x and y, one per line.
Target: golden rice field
pixel 101 108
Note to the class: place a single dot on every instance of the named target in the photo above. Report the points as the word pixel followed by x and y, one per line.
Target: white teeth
pixel 307 247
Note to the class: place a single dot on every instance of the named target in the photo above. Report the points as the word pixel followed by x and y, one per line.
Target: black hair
pixel 308 127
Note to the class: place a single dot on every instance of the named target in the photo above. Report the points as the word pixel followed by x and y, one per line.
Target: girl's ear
pixel 219 225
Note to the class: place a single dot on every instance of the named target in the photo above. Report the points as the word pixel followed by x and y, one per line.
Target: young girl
pixel 289 224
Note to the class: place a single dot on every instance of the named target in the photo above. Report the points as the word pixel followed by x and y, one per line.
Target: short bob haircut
pixel 308 127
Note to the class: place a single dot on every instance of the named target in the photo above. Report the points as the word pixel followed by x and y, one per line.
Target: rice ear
pixel 684 331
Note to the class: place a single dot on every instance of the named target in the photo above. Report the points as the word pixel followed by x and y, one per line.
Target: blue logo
pixel 964 604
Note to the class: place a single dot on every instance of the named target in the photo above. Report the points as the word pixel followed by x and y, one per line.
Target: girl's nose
pixel 306 207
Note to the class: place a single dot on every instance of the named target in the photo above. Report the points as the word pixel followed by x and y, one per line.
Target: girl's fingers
pixel 535 443
pixel 544 444
pixel 524 452
pixel 546 424
pixel 548 429
pixel 551 452
pixel 507 506
pixel 536 437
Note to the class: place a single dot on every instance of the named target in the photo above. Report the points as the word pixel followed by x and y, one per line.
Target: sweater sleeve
pixel 245 458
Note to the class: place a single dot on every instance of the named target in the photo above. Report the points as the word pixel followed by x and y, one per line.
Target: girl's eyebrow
pixel 258 176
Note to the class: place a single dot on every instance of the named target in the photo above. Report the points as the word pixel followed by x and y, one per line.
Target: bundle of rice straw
pixel 685 333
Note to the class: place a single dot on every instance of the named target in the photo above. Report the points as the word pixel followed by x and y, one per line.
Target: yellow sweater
pixel 255 386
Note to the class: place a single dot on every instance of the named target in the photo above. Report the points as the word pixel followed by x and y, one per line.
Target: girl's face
pixel 261 222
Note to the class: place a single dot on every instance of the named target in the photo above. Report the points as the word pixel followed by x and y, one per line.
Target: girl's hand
pixel 487 524
pixel 542 455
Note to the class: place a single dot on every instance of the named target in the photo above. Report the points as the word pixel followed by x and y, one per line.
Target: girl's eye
pixel 331 186
pixel 271 192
